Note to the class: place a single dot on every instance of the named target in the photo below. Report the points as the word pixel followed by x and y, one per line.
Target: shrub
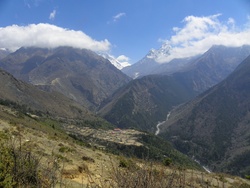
pixel 167 161
pixel 83 168
pixel 65 149
pixel 20 167
pixel 247 177
pixel 123 163
pixel 86 158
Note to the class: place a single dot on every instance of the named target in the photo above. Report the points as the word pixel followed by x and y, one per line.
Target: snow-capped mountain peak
pixel 115 61
pixel 161 53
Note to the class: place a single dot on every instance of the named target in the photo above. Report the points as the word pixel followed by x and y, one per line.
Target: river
pixel 158 132
pixel 161 123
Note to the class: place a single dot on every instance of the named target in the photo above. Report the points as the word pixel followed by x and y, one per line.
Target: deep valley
pixel 99 125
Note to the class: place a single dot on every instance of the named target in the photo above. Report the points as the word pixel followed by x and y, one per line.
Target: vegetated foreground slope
pixel 37 152
pixel 81 75
pixel 214 128
pixel 145 101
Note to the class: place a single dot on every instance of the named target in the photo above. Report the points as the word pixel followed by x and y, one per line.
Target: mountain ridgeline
pixel 81 75
pixel 214 127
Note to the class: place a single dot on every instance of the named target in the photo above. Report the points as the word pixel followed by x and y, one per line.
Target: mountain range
pixel 146 101
pixel 209 95
pixel 220 59
pixel 81 75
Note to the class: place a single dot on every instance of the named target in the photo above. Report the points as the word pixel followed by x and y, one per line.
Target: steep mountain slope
pixel 54 104
pixel 213 66
pixel 214 128
pixel 145 101
pixel 80 75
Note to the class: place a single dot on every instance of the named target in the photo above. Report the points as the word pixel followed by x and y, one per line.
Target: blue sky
pixel 119 27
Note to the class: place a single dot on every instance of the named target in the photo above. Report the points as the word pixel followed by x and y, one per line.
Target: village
pixel 121 136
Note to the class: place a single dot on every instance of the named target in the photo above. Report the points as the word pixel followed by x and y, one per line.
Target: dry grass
pixel 67 164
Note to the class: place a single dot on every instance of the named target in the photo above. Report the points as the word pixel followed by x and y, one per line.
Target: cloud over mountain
pixel 48 36
pixel 199 33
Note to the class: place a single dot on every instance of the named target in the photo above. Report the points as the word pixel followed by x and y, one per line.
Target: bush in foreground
pixel 20 167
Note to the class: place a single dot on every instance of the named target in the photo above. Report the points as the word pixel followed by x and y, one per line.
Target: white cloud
pixel 199 33
pixel 52 15
pixel 47 36
pixel 124 60
pixel 118 16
